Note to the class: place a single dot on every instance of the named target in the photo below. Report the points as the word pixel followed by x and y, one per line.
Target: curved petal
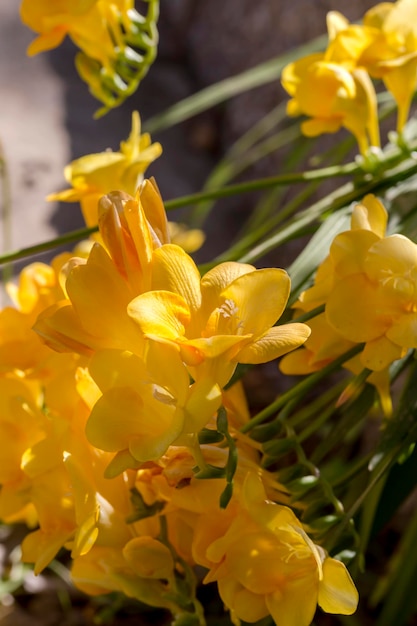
pixel 370 214
pixel 122 420
pixel 349 251
pixel 337 592
pixel 160 313
pixel 259 298
pixel 274 343
pixel 218 279
pixel 174 270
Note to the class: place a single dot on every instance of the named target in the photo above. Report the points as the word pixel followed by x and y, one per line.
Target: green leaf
pixel 230 87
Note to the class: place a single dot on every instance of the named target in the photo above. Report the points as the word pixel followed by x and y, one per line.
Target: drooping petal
pixel 247 605
pixel 116 368
pixel 274 343
pixel 149 558
pixel 337 592
pixel 380 353
pixel 121 420
pixel 296 605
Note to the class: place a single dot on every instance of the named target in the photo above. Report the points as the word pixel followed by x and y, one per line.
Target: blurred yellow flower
pixel 93 25
pixel 95 175
pixel 393 55
pixel 333 96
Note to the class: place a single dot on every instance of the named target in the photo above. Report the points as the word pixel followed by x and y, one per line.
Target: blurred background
pixel 46 111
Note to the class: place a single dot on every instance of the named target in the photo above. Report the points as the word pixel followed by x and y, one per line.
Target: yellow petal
pixel 246 605
pixel 274 343
pixel 380 353
pixel 403 331
pixel 152 204
pixel 349 251
pixel 296 604
pixel 218 279
pixel 149 558
pixel 394 256
pixel 47 41
pixel 335 23
pixel 260 298
pixel 337 592
pixel 160 313
pixel 174 270
pixel 370 214
pixel 358 310
pixel 315 127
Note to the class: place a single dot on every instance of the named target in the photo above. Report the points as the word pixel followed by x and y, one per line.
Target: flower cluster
pixel 123 445
pixel 334 88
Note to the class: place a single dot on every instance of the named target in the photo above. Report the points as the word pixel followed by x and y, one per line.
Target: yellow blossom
pixel 329 338
pixel 333 96
pixel 265 564
pixel 219 320
pixel 145 406
pixel 95 175
pixel 94 314
pixel 393 56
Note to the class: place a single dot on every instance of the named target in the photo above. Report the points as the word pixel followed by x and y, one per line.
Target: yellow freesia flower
pixel 145 406
pixel 265 564
pixel 217 321
pixel 393 56
pixel 385 315
pixel 333 88
pixel 95 175
pixel 333 96
pixel 94 314
pixel 345 265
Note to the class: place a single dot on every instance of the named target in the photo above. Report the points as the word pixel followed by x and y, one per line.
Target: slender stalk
pixel 6 211
pixel 299 390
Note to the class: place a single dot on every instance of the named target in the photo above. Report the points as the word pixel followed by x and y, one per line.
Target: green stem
pixel 70 237
pixel 324 173
pixel 299 390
